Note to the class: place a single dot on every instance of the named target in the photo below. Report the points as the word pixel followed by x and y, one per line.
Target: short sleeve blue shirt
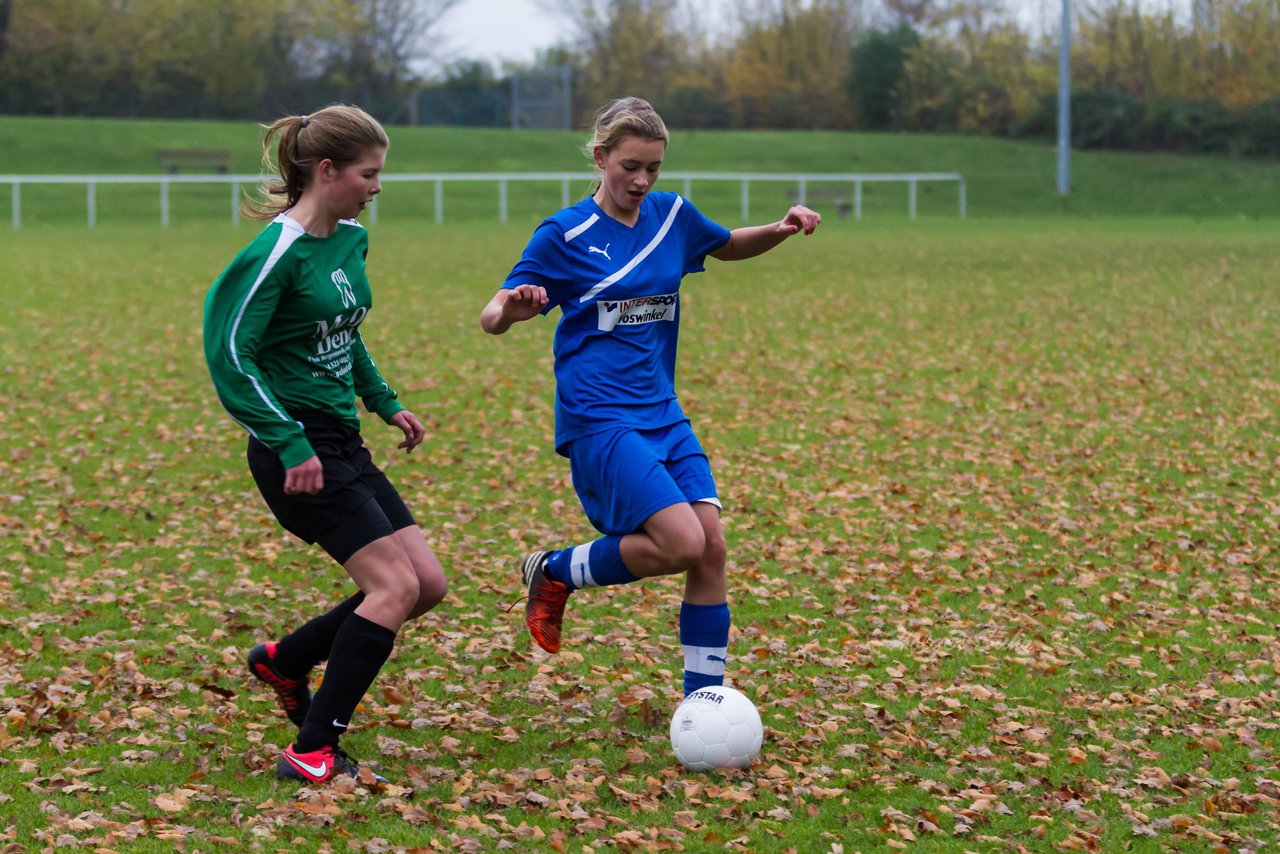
pixel 618 290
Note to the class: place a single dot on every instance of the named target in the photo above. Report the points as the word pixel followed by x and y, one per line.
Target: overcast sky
pixel 495 30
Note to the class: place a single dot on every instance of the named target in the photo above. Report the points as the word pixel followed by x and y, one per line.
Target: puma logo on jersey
pixel 604 251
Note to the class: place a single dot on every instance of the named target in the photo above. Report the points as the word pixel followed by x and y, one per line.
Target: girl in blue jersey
pixel 613 264
pixel 284 347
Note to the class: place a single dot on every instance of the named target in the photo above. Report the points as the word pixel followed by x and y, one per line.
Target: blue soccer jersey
pixel 618 290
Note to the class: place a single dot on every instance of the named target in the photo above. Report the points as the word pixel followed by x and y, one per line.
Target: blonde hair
pixel 340 133
pixel 621 118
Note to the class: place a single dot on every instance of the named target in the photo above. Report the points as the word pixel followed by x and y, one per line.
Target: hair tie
pixel 304 120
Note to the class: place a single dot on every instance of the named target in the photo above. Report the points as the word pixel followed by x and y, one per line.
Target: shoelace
pixel 343 758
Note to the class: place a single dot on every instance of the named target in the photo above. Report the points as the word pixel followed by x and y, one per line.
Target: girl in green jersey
pixel 283 343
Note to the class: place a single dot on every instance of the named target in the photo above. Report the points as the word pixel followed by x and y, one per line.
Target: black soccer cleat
pixel 293 695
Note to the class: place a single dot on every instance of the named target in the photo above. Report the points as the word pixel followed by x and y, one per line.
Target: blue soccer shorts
pixel 624 476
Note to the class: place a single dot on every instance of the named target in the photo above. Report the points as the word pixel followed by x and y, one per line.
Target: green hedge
pixel 1113 120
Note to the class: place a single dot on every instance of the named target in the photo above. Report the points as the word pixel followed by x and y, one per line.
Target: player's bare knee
pixel 400 592
pixel 684 552
pixel 431 592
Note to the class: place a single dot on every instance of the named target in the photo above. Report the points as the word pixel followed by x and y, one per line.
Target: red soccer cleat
pixel 319 766
pixel 544 610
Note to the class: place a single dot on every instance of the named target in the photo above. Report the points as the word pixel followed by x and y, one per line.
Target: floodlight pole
pixel 1064 102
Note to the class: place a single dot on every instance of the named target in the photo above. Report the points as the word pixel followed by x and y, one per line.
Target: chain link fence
pixel 540 99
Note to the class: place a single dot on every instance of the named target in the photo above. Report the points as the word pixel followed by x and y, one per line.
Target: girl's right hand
pixel 307 476
pixel 524 303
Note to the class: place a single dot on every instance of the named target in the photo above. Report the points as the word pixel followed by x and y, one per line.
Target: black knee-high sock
pixel 309 644
pixel 359 651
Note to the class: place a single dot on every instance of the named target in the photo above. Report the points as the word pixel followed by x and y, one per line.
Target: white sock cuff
pixel 707 660
pixel 580 566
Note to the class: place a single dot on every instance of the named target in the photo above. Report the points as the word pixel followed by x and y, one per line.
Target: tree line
pixel 228 59
pixel 1189 75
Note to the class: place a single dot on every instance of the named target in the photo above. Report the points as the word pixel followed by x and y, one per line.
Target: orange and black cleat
pixel 544 610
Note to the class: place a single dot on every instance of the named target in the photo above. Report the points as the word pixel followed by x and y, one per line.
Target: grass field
pixel 1001 503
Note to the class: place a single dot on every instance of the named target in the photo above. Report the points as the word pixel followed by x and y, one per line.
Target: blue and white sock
pixel 595 564
pixel 704 634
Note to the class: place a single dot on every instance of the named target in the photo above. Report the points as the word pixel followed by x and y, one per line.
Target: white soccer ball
pixel 716 727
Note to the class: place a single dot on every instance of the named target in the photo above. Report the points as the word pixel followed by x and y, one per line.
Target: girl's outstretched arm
pixel 510 306
pixel 753 240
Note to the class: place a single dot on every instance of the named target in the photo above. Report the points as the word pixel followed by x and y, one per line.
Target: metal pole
pixel 439 202
pixel 515 101
pixel 564 192
pixel 962 199
pixel 164 204
pixel 1064 102
pixel 93 204
pixel 911 198
pixel 502 200
pixel 17 206
pixel 688 187
pixel 857 200
pixel 746 201
pixel 567 88
pixel 235 202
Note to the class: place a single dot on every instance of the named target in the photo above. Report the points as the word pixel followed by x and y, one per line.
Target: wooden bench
pixel 174 160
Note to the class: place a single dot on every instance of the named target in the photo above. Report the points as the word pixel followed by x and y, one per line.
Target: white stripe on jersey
pixel 290 232
pixel 578 229
pixel 644 253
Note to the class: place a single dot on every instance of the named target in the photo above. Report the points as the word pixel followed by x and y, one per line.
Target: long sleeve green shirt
pixel 282 334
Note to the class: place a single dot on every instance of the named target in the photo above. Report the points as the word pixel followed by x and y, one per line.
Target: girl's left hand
pixel 800 218
pixel 412 427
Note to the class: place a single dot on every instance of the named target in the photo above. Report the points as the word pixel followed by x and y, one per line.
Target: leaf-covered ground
pixel 1001 502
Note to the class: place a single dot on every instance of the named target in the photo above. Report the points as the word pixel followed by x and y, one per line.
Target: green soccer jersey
pixel 282 334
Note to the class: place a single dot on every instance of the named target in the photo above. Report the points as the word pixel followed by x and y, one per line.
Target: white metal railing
pixel 801 181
